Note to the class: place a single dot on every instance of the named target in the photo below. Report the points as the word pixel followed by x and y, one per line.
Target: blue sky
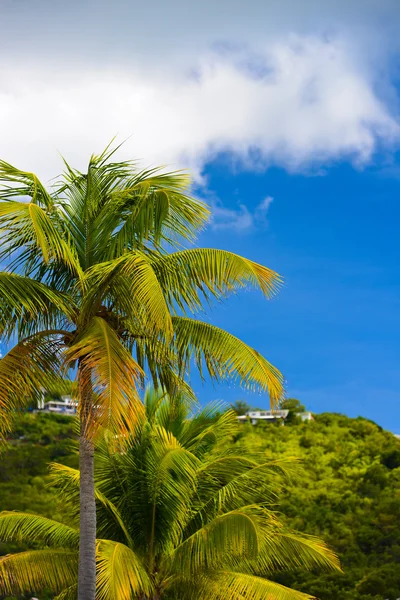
pixel 334 329
pixel 287 115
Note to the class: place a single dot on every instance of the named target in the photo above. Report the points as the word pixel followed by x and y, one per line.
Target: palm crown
pixel 180 516
pixel 90 285
pixel 89 281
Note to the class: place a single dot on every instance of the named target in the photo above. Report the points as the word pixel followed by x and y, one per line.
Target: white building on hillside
pixel 272 416
pixel 64 406
pixel 255 416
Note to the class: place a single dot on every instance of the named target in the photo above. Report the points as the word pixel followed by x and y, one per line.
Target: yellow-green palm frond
pixel 25 527
pixel 108 369
pixel 29 367
pixel 242 586
pixel 226 540
pixel 66 479
pixel 70 593
pixel 155 207
pixel 17 183
pixel 26 303
pixel 133 288
pixel 283 550
pixel 191 276
pixel 170 409
pixel 209 426
pixel 229 482
pixel 120 573
pixel 171 481
pixel 35 570
pixel 26 225
pixel 225 357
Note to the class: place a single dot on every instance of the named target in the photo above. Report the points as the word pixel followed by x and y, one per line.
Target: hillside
pixel 347 490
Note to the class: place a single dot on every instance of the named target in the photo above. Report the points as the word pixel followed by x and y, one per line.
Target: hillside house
pixel 271 416
pixel 65 406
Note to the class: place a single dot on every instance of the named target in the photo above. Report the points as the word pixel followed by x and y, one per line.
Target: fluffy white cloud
pixel 299 101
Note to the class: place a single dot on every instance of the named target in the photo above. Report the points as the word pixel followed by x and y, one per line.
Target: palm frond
pixel 35 570
pixel 153 207
pixel 285 550
pixel 171 482
pixel 241 586
pixel 70 593
pixel 206 428
pixel 191 276
pixel 110 371
pixel 25 303
pixel 225 357
pixel 25 527
pixel 30 367
pixel 229 482
pixel 18 183
pixel 33 228
pixel 120 573
pixel 226 540
pixel 66 479
pixel 133 288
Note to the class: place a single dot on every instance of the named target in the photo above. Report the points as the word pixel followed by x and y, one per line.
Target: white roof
pixel 265 415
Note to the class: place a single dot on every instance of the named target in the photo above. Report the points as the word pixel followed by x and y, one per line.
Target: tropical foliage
pixel 90 286
pixel 347 491
pixel 180 516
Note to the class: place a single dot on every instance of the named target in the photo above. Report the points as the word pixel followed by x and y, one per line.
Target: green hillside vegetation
pixel 347 491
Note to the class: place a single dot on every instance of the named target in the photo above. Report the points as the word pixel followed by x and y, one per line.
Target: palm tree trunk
pixel 87 526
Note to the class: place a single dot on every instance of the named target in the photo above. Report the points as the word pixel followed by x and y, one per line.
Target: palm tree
pixel 91 285
pixel 181 516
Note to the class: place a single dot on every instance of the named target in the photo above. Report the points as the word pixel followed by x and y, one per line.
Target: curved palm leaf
pixel 120 573
pixel 154 207
pixel 191 276
pixel 291 550
pixel 29 367
pixel 26 303
pixel 131 283
pixel 67 480
pixel 109 369
pixel 36 570
pixel 25 527
pixel 28 225
pixel 69 593
pixel 232 584
pixel 225 356
pixel 226 540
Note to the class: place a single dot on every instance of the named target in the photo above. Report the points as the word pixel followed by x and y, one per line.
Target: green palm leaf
pixel 26 303
pixel 24 527
pixel 120 573
pixel 241 586
pixel 226 540
pixel 109 370
pixel 130 282
pixel 35 570
pixel 225 356
pixel 191 276
pixel 29 367
pixel 28 225
pixel 67 480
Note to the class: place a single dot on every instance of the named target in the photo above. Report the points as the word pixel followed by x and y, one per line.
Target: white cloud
pixel 262 209
pixel 240 219
pixel 301 100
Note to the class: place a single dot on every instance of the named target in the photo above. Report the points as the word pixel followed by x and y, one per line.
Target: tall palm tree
pixel 181 516
pixel 91 284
